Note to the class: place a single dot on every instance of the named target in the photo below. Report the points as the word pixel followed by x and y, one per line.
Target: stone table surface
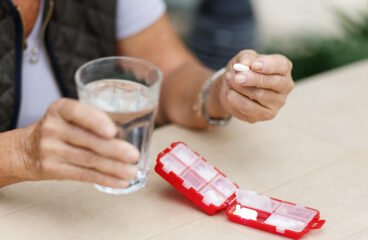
pixel 315 153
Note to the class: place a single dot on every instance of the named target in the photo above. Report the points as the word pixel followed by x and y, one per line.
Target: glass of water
pixel 127 89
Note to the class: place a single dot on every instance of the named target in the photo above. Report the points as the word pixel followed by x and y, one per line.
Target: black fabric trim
pixel 55 67
pixel 18 64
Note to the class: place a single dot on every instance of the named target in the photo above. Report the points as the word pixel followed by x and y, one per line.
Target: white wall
pixel 288 18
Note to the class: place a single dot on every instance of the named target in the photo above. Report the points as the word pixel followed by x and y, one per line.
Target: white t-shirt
pixel 39 87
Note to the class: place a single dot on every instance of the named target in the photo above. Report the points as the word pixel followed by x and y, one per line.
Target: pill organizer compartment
pixel 204 170
pixel 198 180
pixel 192 180
pixel 212 191
pixel 295 211
pixel 171 163
pixel 224 185
pixel 184 154
pixel 274 215
pixel 283 223
pixel 253 200
pixel 212 196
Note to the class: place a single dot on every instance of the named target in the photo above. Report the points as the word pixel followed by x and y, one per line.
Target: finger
pixel 77 173
pixel 229 66
pixel 246 57
pixel 266 98
pixel 246 109
pixel 109 148
pixel 272 64
pixel 263 96
pixel 86 116
pixel 87 159
pixel 277 83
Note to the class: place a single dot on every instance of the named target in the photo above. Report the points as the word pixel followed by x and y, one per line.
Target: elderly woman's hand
pixel 258 94
pixel 77 142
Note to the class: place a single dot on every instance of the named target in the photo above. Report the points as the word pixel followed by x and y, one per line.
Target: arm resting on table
pixel 12 165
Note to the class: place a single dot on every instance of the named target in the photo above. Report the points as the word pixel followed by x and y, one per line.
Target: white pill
pixel 245 213
pixel 240 67
pixel 248 214
pixel 236 212
pixel 238 207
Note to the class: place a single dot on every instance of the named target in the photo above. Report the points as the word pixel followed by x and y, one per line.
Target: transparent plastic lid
pixel 198 174
pixel 254 200
pixel 204 170
pixel 297 212
pixel 192 179
pixel 212 196
pixel 183 153
pixel 224 185
pixel 283 223
pixel 172 164
pixel 284 216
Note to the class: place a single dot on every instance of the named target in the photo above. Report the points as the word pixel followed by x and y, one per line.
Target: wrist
pixel 27 142
pixel 214 106
pixel 12 157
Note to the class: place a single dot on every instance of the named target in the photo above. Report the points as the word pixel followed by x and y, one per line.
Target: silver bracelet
pixel 212 121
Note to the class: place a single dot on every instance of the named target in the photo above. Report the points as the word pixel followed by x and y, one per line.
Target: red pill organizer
pixel 212 191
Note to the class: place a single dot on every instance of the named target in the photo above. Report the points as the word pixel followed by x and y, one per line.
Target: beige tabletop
pixel 315 153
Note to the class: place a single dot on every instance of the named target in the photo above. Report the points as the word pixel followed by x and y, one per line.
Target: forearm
pixel 12 164
pixel 184 75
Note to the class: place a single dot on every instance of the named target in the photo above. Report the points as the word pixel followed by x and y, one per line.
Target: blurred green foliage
pixel 317 54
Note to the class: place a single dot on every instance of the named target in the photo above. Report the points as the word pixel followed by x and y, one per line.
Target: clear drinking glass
pixel 127 89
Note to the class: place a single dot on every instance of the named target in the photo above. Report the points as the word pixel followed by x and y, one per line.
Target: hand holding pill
pixel 256 86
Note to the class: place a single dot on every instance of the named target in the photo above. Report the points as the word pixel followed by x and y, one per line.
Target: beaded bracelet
pixel 200 106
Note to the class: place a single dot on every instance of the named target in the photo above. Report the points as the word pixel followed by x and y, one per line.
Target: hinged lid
pixel 193 176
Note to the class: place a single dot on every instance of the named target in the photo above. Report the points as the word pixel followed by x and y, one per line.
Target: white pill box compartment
pixel 194 177
pixel 273 215
pixel 212 191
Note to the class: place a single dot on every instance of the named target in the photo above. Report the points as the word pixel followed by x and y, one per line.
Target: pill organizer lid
pixel 194 177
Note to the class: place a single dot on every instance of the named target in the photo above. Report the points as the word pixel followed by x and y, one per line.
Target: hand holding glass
pixel 127 89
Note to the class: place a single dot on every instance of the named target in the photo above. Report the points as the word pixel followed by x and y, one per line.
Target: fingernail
pixel 122 183
pixel 131 171
pixel 132 155
pixel 241 78
pixel 257 66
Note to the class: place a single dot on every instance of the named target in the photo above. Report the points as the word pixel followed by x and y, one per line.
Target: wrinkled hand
pixel 258 94
pixel 75 141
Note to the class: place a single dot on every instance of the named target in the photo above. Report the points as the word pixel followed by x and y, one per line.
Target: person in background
pixel 220 30
pixel 47 134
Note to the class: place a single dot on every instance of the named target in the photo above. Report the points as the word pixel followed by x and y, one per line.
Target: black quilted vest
pixel 74 32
